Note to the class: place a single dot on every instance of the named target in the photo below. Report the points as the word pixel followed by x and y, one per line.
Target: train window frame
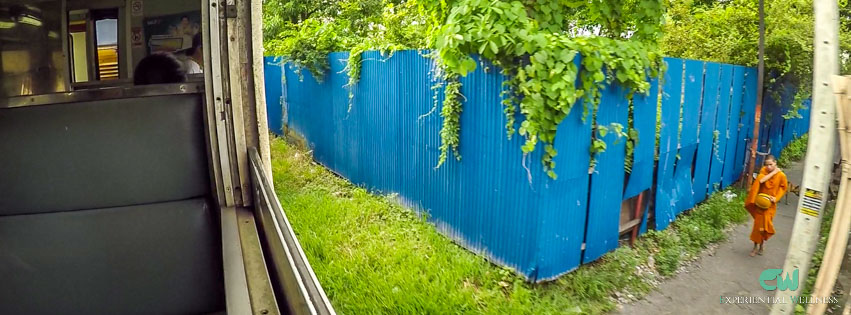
pixel 94 77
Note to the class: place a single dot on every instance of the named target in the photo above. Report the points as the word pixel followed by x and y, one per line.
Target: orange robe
pixel 763 220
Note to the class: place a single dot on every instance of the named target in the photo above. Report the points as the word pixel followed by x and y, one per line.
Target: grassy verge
pixel 793 152
pixel 375 257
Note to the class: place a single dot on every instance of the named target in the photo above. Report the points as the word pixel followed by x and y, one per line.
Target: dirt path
pixel 726 271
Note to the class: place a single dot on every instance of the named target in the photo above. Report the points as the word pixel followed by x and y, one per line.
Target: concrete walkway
pixel 725 271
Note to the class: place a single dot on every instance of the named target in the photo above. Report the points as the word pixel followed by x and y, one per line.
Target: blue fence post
pixel 665 209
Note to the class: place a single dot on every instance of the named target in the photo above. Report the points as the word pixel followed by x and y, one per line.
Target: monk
pixel 771 181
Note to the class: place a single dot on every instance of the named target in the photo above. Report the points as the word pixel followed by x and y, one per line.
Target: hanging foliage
pixel 554 53
pixel 536 45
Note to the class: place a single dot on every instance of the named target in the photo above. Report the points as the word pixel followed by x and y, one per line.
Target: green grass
pixel 374 257
pixel 794 152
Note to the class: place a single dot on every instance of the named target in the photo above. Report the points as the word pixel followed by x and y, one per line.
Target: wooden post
pixel 838 237
pixel 820 149
pixel 639 212
pixel 760 82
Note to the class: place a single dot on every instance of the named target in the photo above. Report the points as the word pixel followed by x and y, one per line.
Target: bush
pixel 793 152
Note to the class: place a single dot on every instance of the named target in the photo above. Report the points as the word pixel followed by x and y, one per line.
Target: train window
pixel 78 45
pixel 106 38
pixel 94 50
pixel 50 46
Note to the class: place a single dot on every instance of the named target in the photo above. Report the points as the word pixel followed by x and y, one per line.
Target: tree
pixel 727 31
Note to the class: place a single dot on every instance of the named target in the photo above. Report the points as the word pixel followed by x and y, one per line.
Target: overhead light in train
pixel 52 34
pixel 6 24
pixel 28 19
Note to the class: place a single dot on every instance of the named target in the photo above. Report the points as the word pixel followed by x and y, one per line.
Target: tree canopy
pixel 727 31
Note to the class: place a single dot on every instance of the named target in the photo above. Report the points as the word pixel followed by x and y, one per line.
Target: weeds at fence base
pixel 793 152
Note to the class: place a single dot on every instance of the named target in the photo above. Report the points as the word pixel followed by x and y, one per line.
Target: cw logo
pixel 790 283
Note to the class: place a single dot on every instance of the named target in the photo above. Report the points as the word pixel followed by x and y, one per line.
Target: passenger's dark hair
pixel 770 158
pixel 158 69
pixel 196 43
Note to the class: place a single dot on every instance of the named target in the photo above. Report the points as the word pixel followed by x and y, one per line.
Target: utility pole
pixel 837 240
pixel 820 149
pixel 760 86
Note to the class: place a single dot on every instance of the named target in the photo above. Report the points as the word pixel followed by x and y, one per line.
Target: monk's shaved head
pixel 770 163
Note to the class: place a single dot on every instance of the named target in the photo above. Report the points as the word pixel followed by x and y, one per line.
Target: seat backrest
pixel 102 154
pixel 105 209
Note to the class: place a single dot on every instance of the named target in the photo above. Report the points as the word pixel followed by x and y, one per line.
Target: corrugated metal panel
pixel 273 76
pixel 684 190
pixel 419 123
pixel 804 126
pixel 604 205
pixel 788 96
pixel 346 122
pixel 378 115
pixel 719 139
pixel 748 108
pixel 788 125
pixel 671 94
pixel 498 207
pixel 433 190
pixel 732 136
pixel 644 122
pixel 299 90
pixel 796 127
pixel 707 127
pixel 322 127
pixel 563 202
pixel 775 131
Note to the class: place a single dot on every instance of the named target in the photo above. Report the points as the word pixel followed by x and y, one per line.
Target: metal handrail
pixel 297 282
pixel 102 94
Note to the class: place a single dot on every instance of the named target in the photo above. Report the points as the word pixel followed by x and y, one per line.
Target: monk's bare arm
pixel 765 178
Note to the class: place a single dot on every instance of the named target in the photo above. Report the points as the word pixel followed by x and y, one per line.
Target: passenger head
pixel 158 69
pixel 770 163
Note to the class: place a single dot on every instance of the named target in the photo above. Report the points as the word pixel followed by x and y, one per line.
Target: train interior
pixel 109 202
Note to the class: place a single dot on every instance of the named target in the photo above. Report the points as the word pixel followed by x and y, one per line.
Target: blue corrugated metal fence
pixel 495 201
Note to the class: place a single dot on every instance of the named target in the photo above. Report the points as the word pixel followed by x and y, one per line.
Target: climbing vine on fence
pixel 536 45
pixel 554 53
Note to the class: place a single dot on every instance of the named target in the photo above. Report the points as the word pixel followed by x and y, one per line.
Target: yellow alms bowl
pixel 763 201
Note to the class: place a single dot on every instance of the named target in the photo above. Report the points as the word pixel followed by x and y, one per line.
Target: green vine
pixel 716 141
pixel 797 105
pixel 451 113
pixel 353 66
pixel 599 146
pixel 631 143
pixel 530 44
pixel 534 43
